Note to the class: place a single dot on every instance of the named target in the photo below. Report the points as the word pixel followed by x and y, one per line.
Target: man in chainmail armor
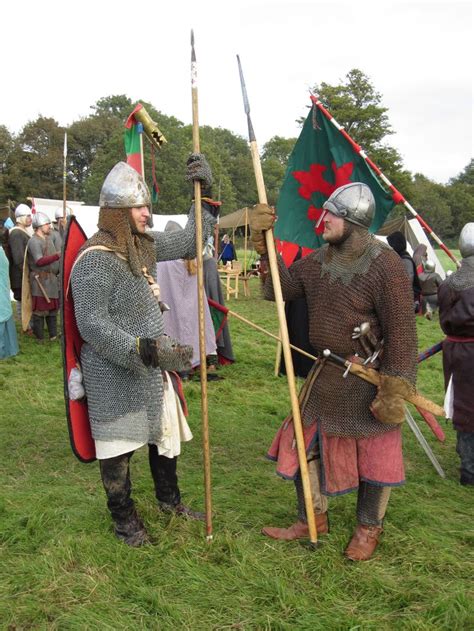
pixel 353 427
pixel 456 317
pixel 43 263
pixel 125 350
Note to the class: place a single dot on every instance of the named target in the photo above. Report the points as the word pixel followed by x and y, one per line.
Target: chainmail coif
pixel 358 280
pixel 463 278
pixel 115 232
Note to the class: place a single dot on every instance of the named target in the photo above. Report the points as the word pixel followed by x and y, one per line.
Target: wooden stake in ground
pixel 262 197
pixel 200 276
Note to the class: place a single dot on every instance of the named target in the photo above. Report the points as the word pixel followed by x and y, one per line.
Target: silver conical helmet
pixel 466 240
pixel 22 210
pixel 124 188
pixel 40 219
pixel 354 202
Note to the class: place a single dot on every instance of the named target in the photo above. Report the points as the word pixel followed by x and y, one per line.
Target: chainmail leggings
pixel 372 500
pixel 115 474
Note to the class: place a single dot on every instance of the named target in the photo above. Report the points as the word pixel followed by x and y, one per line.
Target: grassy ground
pixel 61 567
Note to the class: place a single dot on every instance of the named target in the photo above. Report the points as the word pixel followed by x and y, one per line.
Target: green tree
pixel 429 199
pixel 35 164
pixel 466 176
pixel 6 147
pixel 274 160
pixel 117 106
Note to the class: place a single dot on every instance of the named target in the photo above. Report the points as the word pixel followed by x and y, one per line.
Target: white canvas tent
pixel 88 216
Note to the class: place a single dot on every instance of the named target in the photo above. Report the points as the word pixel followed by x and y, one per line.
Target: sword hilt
pixel 327 354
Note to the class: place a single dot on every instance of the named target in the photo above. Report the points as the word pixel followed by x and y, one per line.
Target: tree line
pixel 31 162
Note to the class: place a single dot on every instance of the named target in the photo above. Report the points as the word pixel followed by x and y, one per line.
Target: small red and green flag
pixel 131 140
pixel 218 315
pixel 321 161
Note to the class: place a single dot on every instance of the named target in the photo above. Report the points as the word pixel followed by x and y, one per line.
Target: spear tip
pixel 192 38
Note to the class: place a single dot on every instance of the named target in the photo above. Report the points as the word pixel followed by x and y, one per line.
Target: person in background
pixel 59 227
pixel 456 317
pixel 227 250
pixel 43 263
pixel 178 290
pixel 420 254
pixel 430 280
pixel 398 242
pixel 18 238
pixel 8 339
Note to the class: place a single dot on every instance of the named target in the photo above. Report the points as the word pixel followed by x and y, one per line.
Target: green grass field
pixel 62 568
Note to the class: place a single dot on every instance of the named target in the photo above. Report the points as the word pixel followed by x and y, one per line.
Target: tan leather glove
pixel 262 218
pixel 389 404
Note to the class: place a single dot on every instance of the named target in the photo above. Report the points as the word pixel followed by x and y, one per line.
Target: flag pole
pixel 272 259
pixel 396 195
pixel 64 174
pixel 200 275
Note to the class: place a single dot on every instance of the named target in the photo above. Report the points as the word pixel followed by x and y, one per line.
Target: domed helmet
pixel 40 219
pixel 59 213
pixel 466 240
pixel 124 188
pixel 22 210
pixel 429 265
pixel 353 202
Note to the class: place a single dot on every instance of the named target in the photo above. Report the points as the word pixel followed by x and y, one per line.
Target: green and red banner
pixel 131 139
pixel 322 160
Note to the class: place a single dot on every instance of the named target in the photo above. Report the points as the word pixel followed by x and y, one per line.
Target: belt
pixel 454 338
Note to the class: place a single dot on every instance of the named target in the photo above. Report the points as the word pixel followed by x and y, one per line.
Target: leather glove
pixel 262 217
pixel 147 350
pixel 165 353
pixel 197 168
pixel 389 404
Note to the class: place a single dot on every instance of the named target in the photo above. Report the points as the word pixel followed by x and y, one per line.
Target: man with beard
pixel 353 427
pixel 117 309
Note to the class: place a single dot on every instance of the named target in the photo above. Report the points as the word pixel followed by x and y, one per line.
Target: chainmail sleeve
pixel 182 244
pixel 290 279
pixel 93 283
pixel 395 313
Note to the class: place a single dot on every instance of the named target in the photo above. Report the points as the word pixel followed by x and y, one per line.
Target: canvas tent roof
pixel 233 220
pixel 87 216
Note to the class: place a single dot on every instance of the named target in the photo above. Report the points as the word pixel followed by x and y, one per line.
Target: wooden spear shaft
pixel 64 174
pixel 272 259
pixel 200 276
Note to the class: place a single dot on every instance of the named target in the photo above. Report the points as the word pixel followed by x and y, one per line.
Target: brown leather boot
pixel 299 530
pixel 363 543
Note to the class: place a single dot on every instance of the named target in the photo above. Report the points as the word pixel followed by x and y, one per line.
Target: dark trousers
pixel 115 474
pixel 465 450
pixel 51 323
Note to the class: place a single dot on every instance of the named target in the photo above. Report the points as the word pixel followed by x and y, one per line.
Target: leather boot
pixel 299 530
pixel 182 511
pixel 132 531
pixel 363 543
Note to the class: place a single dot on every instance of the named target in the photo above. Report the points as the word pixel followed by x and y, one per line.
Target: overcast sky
pixel 60 57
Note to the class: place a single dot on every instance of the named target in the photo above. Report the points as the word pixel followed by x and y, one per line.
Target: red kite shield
pixel 77 412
